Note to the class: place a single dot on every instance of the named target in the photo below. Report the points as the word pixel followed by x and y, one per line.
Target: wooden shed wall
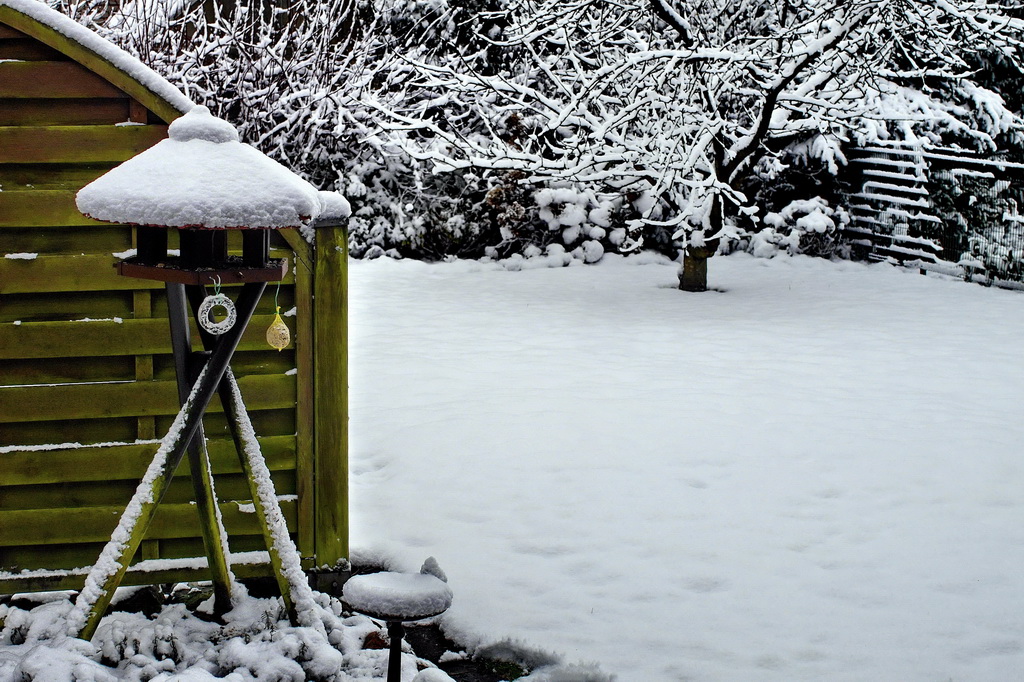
pixel 87 382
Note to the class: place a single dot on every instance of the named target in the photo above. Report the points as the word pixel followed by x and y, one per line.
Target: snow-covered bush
pixel 672 104
pixel 454 128
pixel 804 226
pixel 291 74
pixel 255 642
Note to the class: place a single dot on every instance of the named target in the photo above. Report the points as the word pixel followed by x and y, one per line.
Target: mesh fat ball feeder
pixel 201 181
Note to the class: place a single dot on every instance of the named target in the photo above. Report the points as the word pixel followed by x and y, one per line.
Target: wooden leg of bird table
pixel 264 498
pixel 234 410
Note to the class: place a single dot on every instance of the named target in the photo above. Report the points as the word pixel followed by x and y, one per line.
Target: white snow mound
pixel 200 124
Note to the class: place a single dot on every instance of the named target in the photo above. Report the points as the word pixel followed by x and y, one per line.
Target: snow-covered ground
pixel 814 473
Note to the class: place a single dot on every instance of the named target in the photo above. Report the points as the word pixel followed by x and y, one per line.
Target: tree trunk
pixel 694 274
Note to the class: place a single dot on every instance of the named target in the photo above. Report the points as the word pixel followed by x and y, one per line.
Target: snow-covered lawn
pixel 815 473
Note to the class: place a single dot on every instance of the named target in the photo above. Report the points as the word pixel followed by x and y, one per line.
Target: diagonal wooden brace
pixel 109 570
pixel 236 415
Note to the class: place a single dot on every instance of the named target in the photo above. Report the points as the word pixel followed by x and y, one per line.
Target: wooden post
pixel 330 320
pixel 234 409
pixel 305 402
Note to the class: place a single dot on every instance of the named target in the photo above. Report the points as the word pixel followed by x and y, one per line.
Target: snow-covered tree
pixel 276 67
pixel 670 106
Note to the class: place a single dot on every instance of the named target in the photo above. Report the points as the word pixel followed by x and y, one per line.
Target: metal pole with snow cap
pixel 199 183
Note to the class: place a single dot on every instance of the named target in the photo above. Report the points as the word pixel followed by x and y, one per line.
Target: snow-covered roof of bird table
pixel 203 177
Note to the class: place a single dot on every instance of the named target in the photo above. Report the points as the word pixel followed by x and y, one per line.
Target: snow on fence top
pixel 104 49
pixel 202 176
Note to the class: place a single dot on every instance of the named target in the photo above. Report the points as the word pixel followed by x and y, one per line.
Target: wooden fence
pixel 938 209
pixel 87 383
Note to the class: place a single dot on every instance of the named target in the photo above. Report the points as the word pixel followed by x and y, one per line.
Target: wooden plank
pixel 180 548
pixel 144 336
pixel 22 372
pixel 279 422
pixel 254 361
pixel 62 241
pixel 27 49
pixel 27 527
pixel 69 430
pixel 44 208
pixel 8 32
pixel 274 422
pixel 125 462
pixel 76 144
pixel 68 306
pixel 49 274
pixel 130 399
pixel 41 556
pixel 39 112
pixel 117 493
pixel 91 339
pixel 17 177
pixel 52 80
pixel 331 389
pixel 74 580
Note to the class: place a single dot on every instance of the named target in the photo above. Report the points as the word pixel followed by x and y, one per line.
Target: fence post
pixel 330 339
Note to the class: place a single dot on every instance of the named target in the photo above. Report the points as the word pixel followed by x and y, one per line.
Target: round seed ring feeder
pixel 205 315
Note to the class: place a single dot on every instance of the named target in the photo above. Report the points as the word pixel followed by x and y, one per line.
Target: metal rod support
pixel 396 631
pixel 215 538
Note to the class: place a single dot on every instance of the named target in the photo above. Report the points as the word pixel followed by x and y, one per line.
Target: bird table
pixel 200 182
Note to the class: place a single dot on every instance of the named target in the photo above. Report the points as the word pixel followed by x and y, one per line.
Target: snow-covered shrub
pixel 804 226
pixel 996 254
pixel 446 123
pixel 291 74
pixel 678 103
pixel 255 642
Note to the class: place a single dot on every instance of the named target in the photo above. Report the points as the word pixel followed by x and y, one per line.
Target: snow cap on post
pixel 202 177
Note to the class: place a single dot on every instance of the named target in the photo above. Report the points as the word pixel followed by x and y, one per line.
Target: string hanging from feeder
pixel 278 335
pixel 217 300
